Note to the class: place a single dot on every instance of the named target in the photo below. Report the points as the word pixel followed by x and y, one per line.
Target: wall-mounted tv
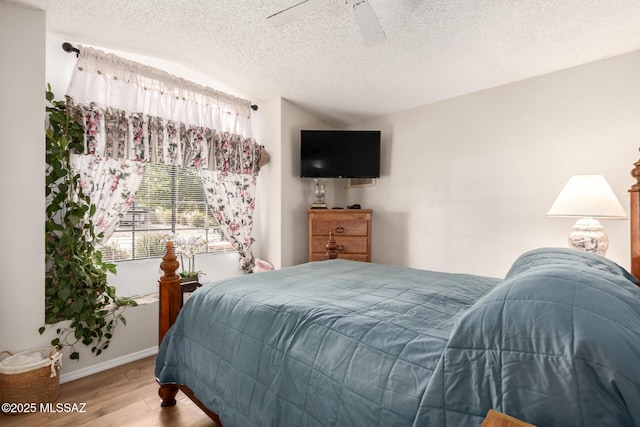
pixel 339 154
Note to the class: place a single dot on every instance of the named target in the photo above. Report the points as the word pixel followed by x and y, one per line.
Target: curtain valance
pixel 110 81
pixel 114 133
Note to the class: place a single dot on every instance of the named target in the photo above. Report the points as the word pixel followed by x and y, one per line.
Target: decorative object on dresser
pixel 588 197
pixel 331 247
pixel 319 190
pixel 351 229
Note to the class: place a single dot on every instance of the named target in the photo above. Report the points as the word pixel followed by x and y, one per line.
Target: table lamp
pixel 588 197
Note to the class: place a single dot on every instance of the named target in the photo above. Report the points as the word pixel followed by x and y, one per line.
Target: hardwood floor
pixel 122 396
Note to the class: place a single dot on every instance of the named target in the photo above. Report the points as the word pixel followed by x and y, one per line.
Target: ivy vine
pixel 76 286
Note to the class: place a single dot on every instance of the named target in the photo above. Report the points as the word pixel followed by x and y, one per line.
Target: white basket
pixel 30 360
pixel 30 376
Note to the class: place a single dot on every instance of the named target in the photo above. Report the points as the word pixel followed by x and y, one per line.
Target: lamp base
pixel 318 192
pixel 588 236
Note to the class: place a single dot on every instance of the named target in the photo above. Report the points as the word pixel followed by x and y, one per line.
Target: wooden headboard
pixel 634 220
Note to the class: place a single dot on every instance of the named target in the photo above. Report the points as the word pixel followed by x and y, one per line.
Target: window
pixel 170 200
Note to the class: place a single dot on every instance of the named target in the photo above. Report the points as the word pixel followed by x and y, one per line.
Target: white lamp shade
pixel 587 196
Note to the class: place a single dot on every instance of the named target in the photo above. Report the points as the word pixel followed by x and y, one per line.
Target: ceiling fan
pixel 363 14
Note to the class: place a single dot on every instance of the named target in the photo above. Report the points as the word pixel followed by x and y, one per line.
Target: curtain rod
pixel 68 47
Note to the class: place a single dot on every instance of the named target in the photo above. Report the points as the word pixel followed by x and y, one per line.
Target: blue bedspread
pixel 340 343
pixel 356 344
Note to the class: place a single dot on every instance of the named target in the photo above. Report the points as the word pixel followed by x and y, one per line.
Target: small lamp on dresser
pixel 588 197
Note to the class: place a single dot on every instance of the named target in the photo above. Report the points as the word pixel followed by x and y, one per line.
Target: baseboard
pixel 94 369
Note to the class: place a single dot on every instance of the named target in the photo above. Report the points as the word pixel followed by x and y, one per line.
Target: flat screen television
pixel 339 154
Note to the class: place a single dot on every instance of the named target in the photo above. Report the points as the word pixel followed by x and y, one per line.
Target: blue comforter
pixel 356 344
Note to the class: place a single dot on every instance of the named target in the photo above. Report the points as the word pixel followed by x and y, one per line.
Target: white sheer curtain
pixel 110 81
pixel 134 113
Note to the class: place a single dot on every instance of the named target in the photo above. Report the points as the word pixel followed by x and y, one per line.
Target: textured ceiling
pixel 435 49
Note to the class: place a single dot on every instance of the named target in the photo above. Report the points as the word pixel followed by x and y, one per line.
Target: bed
pixel 344 343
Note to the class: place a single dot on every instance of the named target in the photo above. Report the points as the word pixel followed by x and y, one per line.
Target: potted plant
pixel 187 247
pixel 76 288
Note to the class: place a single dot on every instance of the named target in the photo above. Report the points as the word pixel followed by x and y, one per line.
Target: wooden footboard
pixel 170 305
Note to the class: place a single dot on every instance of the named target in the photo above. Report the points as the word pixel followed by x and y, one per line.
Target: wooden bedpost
pixel 167 393
pixel 168 312
pixel 169 292
pixel 634 219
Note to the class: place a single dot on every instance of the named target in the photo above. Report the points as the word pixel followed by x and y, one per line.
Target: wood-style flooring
pixel 123 396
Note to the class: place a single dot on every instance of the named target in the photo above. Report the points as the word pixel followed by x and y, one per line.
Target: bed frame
pixel 170 305
pixel 171 302
pixel 634 220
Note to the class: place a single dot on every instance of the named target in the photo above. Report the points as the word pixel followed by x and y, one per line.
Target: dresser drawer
pixel 345 227
pixel 320 256
pixel 345 244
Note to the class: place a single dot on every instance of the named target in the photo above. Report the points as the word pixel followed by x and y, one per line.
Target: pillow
pixel 558 334
pixel 545 258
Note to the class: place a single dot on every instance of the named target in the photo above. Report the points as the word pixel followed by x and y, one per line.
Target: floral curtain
pixel 232 197
pixel 230 190
pixel 111 185
pixel 116 134
pixel 136 114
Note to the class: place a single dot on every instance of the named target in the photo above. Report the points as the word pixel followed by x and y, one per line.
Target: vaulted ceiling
pixel 435 49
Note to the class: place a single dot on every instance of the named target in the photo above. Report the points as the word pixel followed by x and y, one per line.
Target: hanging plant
pixel 76 286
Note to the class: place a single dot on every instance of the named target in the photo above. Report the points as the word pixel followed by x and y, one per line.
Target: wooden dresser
pixel 351 228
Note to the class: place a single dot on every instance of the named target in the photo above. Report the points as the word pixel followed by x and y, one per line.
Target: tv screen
pixel 339 154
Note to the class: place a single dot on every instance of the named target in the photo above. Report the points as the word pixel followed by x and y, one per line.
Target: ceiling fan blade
pixel 368 24
pixel 295 11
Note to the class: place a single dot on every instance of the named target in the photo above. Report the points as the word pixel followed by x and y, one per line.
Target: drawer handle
pixel 339 229
pixel 340 248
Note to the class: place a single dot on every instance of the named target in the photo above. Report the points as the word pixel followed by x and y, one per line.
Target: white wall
pixel 22 85
pixel 297 192
pixel 270 199
pixel 283 220
pixel 466 183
